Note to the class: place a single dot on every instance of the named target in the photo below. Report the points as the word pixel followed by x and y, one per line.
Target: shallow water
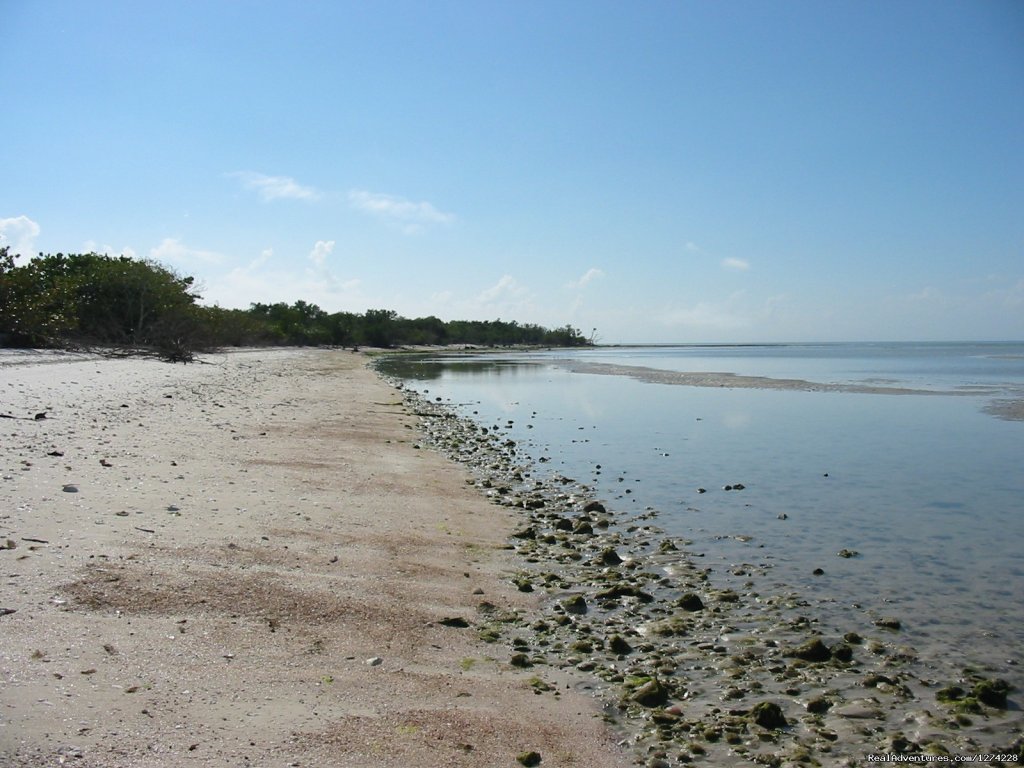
pixel 927 489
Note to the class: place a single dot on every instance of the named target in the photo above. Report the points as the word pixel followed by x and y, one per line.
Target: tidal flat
pixel 704 647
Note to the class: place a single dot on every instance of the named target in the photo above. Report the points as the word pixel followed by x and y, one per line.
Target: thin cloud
pixel 411 216
pixel 275 187
pixel 321 251
pixel 19 234
pixel 174 252
pixel 736 265
pixel 588 277
pixel 506 288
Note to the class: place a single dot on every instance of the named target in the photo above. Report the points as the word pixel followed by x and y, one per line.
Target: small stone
pixel 456 622
pixel 69 488
pixel 520 660
pixel 594 506
pixel 528 759
pixel 888 623
pixel 848 553
pixel 375 661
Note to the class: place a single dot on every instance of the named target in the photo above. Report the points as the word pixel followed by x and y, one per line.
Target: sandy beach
pixel 250 561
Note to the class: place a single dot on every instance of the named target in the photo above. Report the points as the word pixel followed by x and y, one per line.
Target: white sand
pixel 202 559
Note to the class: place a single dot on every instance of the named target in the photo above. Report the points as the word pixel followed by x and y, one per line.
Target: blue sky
pixel 660 171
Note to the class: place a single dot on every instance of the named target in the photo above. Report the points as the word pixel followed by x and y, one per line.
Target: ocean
pixel 867 479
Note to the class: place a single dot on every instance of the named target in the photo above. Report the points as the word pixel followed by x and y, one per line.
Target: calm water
pixel 928 489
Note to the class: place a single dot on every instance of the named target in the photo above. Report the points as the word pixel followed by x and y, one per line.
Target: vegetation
pixel 139 305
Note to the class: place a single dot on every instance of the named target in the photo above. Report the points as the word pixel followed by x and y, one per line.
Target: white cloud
pixel 19 234
pixel 589 276
pixel 410 216
pixel 174 252
pixel 321 251
pixel 275 187
pixel 737 265
pixel 506 288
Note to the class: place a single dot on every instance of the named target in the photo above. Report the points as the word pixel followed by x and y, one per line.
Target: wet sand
pixel 251 561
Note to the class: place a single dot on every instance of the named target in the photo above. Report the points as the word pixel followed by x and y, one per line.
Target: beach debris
pixel 40 416
pixel 70 488
pixel 847 553
pixel 374 661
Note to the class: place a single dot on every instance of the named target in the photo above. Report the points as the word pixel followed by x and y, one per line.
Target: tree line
pixel 95 300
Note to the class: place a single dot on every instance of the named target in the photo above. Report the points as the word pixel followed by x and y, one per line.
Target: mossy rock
pixel 575 604
pixel 624 590
pixel 992 692
pixel 609 556
pixel 650 694
pixel 690 602
pixel 769 715
pixel 813 650
pixel 819 705
pixel 529 759
pixel 617 644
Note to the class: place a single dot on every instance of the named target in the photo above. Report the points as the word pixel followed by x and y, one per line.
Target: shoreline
pixel 252 561
pixel 621 615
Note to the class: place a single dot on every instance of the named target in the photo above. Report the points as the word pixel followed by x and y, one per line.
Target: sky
pixel 653 171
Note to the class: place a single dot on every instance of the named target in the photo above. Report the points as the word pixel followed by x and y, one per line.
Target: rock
pixel 818 705
pixel 610 557
pixel 650 694
pixel 594 506
pixel 818 572
pixel 70 488
pixel 520 660
pixel 456 622
pixel 860 710
pixel 575 604
pixel 813 650
pixel 992 692
pixel 375 661
pixel 842 652
pixel 888 623
pixel 583 527
pixel 529 758
pixel 769 715
pixel 848 553
pixel 624 590
pixel 690 602
pixel 617 644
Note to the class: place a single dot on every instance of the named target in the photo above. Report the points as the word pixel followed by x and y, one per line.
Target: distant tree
pixel 36 303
